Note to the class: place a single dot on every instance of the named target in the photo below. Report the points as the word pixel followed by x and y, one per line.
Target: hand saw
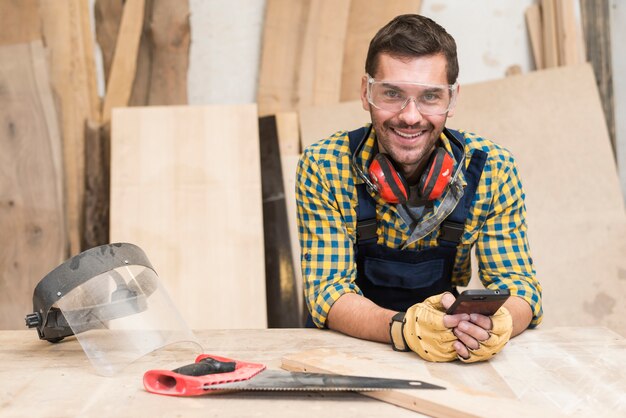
pixel 214 374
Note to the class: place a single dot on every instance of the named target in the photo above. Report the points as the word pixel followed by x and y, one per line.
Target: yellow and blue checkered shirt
pixel 326 199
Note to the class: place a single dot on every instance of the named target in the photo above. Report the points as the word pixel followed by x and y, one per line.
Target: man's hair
pixel 412 36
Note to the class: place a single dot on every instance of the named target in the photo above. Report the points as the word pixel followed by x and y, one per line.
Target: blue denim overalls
pixel 397 279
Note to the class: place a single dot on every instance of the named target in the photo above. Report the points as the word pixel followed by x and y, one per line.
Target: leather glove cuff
pixel 396 332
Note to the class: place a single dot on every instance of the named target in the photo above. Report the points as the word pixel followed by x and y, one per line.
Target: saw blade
pixel 276 380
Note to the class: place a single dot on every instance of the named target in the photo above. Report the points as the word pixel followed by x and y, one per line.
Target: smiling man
pixel 388 213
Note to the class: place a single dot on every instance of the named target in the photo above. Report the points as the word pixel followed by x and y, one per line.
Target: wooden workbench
pixel 571 371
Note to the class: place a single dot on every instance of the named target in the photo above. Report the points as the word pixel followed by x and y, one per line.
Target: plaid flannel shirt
pixel 326 199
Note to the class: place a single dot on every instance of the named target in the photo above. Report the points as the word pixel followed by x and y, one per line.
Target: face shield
pixel 111 299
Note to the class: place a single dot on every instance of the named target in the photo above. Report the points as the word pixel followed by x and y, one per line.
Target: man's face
pixel 408 136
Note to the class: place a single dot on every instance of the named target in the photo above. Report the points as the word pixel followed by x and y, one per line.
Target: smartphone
pixel 482 301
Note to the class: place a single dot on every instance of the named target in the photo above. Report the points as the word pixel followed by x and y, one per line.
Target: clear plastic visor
pixel 123 314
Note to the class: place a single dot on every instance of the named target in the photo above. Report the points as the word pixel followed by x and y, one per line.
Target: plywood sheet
pixel 575 211
pixel 186 187
pixel 33 240
pixel 365 19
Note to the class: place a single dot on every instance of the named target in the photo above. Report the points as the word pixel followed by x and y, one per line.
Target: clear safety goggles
pixel 393 96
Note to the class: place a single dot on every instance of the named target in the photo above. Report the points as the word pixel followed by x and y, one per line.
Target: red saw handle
pixel 197 378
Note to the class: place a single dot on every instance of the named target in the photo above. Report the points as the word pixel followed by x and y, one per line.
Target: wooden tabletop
pixel 567 371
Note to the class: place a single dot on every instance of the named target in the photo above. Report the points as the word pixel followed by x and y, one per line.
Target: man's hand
pixel 426 332
pixel 479 337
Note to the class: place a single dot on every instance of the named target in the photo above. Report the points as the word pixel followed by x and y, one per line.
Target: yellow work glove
pixel 425 333
pixel 502 326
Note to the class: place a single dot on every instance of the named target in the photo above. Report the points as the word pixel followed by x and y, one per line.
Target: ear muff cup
pixel 437 176
pixel 391 185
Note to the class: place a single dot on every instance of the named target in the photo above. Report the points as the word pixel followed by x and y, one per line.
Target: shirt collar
pixel 429 221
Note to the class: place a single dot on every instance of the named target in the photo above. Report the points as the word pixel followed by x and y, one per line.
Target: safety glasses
pixel 393 96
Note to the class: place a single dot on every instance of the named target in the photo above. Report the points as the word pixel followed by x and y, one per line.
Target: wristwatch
pixel 395 331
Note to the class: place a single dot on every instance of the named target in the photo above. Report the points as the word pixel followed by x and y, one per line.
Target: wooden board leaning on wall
pixel 186 187
pixel 33 238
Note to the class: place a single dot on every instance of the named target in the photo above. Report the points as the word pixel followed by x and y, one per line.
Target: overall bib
pixel 397 279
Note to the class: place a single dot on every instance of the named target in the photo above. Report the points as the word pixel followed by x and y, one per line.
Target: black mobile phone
pixel 481 301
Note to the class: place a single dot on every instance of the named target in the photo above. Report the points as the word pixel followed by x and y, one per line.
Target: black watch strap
pixel 396 327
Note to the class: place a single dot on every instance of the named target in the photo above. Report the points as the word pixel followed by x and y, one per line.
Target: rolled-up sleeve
pixel 327 256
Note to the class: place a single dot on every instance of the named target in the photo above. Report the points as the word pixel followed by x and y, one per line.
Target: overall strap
pixel 366 208
pixel 452 228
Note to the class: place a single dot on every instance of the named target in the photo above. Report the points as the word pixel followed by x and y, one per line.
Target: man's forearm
pixel 521 313
pixel 359 317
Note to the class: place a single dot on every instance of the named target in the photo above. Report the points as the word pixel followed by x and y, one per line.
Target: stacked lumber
pixel 555 32
pixel 314 52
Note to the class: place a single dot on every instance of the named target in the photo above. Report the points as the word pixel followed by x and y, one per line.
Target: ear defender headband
pixel 390 184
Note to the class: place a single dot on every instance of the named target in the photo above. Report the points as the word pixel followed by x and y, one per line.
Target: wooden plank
pixel 365 19
pixel 283 34
pixel 302 54
pixel 550 152
pixel 550 39
pixel 97 184
pixel 281 287
pixel 595 15
pixel 67 34
pixel 19 21
pixel 287 124
pixel 319 122
pixel 197 213
pixel 567 33
pixel 289 165
pixel 33 240
pixel 119 85
pixel 319 77
pixel 451 402
pixel 535 33
pixel 288 129
pixel 108 16
pixel 163 56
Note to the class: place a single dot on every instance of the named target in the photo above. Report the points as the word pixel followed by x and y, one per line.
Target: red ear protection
pixel 392 186
pixel 437 176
